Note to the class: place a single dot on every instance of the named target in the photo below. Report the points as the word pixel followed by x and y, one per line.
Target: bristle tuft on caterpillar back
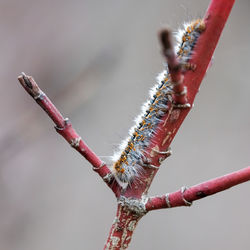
pixel 129 161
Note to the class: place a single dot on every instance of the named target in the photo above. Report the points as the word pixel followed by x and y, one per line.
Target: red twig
pixel 64 128
pixel 174 67
pixel 186 196
pixel 215 19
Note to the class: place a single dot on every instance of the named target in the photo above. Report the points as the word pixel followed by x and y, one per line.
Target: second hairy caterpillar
pixel 129 162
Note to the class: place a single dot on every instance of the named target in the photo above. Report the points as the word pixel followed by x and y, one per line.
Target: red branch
pixel 122 229
pixel 174 67
pixel 65 129
pixel 186 196
pixel 215 19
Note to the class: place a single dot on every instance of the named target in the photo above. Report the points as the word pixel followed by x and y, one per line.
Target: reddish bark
pixel 174 67
pixel 64 128
pixel 185 197
pixel 122 228
pixel 215 19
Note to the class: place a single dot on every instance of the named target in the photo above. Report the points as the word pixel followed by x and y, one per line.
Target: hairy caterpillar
pixel 128 162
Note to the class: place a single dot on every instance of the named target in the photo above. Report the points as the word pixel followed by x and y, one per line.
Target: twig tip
pixel 26 80
pixel 165 39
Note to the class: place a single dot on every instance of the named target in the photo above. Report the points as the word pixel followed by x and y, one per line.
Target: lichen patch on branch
pixel 134 205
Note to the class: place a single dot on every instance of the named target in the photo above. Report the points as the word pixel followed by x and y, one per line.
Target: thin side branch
pixel 65 129
pixel 186 196
pixel 174 67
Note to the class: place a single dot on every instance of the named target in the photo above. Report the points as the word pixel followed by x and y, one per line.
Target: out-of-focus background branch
pixel 96 60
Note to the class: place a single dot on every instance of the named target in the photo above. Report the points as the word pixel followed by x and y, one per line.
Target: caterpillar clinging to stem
pixel 169 92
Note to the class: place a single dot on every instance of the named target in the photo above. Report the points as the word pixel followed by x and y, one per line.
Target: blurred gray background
pixel 97 60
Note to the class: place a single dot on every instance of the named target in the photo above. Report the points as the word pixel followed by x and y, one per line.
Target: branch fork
pixel 133 202
pixel 137 206
pixel 65 129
